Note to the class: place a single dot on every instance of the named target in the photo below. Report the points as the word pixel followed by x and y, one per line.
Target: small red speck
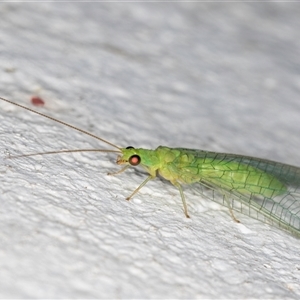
pixel 37 101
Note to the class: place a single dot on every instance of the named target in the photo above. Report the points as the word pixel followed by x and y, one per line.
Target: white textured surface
pixel 222 77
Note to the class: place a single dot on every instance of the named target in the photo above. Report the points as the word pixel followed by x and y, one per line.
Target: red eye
pixel 134 160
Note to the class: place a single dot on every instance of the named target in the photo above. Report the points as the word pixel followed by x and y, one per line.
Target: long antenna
pixel 63 151
pixel 61 122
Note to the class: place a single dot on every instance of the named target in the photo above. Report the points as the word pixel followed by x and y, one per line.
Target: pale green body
pixel 269 189
pixel 189 166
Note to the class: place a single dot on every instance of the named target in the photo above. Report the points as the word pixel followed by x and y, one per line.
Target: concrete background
pixel 216 76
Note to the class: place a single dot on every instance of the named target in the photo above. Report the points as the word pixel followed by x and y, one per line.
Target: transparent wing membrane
pixel 265 190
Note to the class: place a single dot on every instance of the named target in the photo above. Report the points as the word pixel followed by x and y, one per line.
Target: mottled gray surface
pixel 215 76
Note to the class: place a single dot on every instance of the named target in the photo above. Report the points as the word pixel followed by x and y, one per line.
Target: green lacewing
pixel 263 189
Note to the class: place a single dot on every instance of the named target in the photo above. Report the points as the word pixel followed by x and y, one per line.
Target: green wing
pixel 263 189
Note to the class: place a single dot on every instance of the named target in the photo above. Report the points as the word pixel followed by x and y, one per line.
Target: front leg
pixel 118 172
pixel 141 185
